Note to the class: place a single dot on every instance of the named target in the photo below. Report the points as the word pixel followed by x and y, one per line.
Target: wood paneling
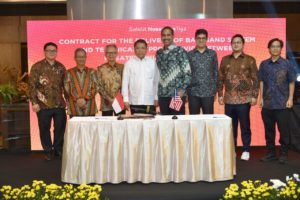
pixel 12 34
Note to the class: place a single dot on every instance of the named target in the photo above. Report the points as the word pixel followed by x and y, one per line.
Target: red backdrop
pixel 93 35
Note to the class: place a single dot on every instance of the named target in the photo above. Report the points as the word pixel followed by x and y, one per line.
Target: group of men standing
pixel 146 83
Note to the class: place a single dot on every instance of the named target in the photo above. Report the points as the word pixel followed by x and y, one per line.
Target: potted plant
pixel 7 93
pixel 14 110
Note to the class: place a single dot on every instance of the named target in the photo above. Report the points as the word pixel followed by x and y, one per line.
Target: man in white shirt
pixel 140 81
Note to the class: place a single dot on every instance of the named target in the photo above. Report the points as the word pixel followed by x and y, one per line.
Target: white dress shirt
pixel 140 81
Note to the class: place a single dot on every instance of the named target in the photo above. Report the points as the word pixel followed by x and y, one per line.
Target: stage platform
pixel 18 169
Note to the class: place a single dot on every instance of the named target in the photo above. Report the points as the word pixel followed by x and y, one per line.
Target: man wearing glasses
pixel 110 80
pixel 46 86
pixel 204 67
pixel 81 86
pixel 277 84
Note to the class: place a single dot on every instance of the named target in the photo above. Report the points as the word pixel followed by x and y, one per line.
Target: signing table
pixel 191 148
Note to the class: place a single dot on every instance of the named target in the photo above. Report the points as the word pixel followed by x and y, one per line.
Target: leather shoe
pixel 283 158
pixel 48 156
pixel 58 154
pixel 269 157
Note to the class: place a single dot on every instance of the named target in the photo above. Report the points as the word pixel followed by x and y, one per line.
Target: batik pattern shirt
pixel 204 67
pixel 46 84
pixel 174 69
pixel 276 77
pixel 239 77
pixel 110 82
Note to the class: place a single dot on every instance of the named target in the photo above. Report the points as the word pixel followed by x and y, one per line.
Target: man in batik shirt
pixel 46 82
pixel 175 72
pixel 238 74
pixel 110 80
pixel 81 87
pixel 277 84
pixel 204 66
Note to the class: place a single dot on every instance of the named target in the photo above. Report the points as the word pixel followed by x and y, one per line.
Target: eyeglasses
pixel 111 53
pixel 201 38
pixel 51 51
pixel 239 42
pixel 275 47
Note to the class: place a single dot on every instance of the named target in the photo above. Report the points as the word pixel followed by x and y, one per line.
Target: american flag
pixel 176 102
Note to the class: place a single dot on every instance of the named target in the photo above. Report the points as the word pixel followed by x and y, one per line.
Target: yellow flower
pixel 247 192
pixel 244 183
pixel 266 194
pixel 97 188
pixel 243 194
pixel 234 187
pixel 25 187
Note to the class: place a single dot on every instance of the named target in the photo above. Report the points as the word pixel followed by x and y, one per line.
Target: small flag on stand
pixel 176 102
pixel 118 103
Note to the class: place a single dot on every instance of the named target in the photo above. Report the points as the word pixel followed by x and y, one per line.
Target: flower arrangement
pixel 254 190
pixel 41 191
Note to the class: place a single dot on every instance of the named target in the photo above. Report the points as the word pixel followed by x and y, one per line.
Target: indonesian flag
pixel 118 103
pixel 176 102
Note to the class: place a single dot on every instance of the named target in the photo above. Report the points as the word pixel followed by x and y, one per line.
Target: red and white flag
pixel 176 102
pixel 118 103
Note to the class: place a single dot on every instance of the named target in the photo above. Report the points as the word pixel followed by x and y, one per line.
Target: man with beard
pixel 175 73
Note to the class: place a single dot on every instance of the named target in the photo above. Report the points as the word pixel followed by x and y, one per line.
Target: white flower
pixel 296 176
pixel 288 178
pixel 277 183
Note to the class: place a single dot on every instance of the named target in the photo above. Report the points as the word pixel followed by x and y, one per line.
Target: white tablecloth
pixel 191 148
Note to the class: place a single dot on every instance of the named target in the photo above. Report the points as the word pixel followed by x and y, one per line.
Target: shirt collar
pixel 109 65
pixel 84 69
pixel 138 59
pixel 242 55
pixel 196 50
pixel 46 61
pixel 277 61
pixel 171 47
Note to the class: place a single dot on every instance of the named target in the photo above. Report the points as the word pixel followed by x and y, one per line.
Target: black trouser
pixel 295 128
pixel 145 109
pixel 164 103
pixel 45 117
pixel 204 103
pixel 112 113
pixel 240 113
pixel 281 117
